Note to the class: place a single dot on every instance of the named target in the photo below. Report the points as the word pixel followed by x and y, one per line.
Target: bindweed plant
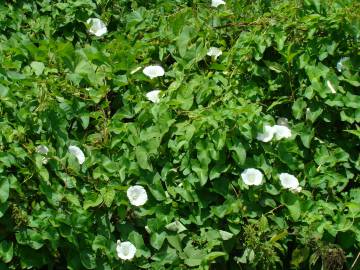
pixel 179 134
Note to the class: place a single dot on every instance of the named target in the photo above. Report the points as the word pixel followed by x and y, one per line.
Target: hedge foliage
pixel 290 62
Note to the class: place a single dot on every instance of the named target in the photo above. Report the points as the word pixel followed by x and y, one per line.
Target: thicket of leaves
pixel 61 86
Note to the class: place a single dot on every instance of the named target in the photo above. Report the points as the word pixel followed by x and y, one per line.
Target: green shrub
pixel 282 97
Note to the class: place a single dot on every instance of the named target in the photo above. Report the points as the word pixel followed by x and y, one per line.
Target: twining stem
pixel 354 263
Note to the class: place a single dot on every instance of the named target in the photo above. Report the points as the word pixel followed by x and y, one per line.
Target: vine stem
pixel 354 263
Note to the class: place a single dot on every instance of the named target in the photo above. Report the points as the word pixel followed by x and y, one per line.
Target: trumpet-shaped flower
pixel 289 181
pixel 42 149
pixel 137 195
pixel 76 151
pixel 216 3
pixel 97 27
pixel 213 51
pixel 281 132
pixel 154 71
pixel 252 177
pixel 125 250
pixel 267 135
pixel 340 64
pixel 331 87
pixel 154 96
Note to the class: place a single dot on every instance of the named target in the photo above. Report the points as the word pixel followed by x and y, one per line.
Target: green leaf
pixel 137 240
pixel 298 108
pixel 30 237
pixel 6 251
pixel 38 67
pixel 92 199
pixel 292 203
pixel 3 90
pixel 88 259
pixel 238 152
pixel 157 240
pixel 4 189
pixel 108 195
pixel 213 255
pixel 175 241
pixel 100 242
pixel 3 208
pixel 142 158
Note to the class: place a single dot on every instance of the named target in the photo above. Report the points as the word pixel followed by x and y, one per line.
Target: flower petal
pixel 216 3
pixel 154 96
pixel 213 51
pixel 125 250
pixel 137 195
pixel 267 135
pixel 42 149
pixel 154 71
pixel 289 181
pixel 252 176
pixel 97 27
pixel 281 132
pixel 78 153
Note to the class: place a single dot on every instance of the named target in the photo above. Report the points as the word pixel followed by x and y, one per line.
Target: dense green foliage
pixel 62 86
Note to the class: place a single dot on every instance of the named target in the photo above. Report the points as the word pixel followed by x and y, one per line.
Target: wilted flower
pixel 42 149
pixel 289 181
pixel 267 135
pixel 281 132
pixel 213 51
pixel 252 177
pixel 125 250
pixel 137 195
pixel 154 96
pixel 340 64
pixel 154 71
pixel 331 87
pixel 216 3
pixel 76 151
pixel 97 27
pixel 283 121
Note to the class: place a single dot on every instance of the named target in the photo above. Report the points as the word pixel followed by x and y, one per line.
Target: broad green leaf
pixel 4 90
pixel 157 240
pixel 92 199
pixel 6 251
pixel 38 67
pixel 4 189
pixel 88 259
pixel 292 203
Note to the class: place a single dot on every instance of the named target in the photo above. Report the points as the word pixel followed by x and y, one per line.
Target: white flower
pixel 216 3
pixel 213 51
pixel 76 151
pixel 289 181
pixel 125 250
pixel 97 27
pixel 252 177
pixel 137 195
pixel 154 96
pixel 281 132
pixel 267 135
pixel 42 149
pixel 331 87
pixel 154 71
pixel 340 65
pixel 297 190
